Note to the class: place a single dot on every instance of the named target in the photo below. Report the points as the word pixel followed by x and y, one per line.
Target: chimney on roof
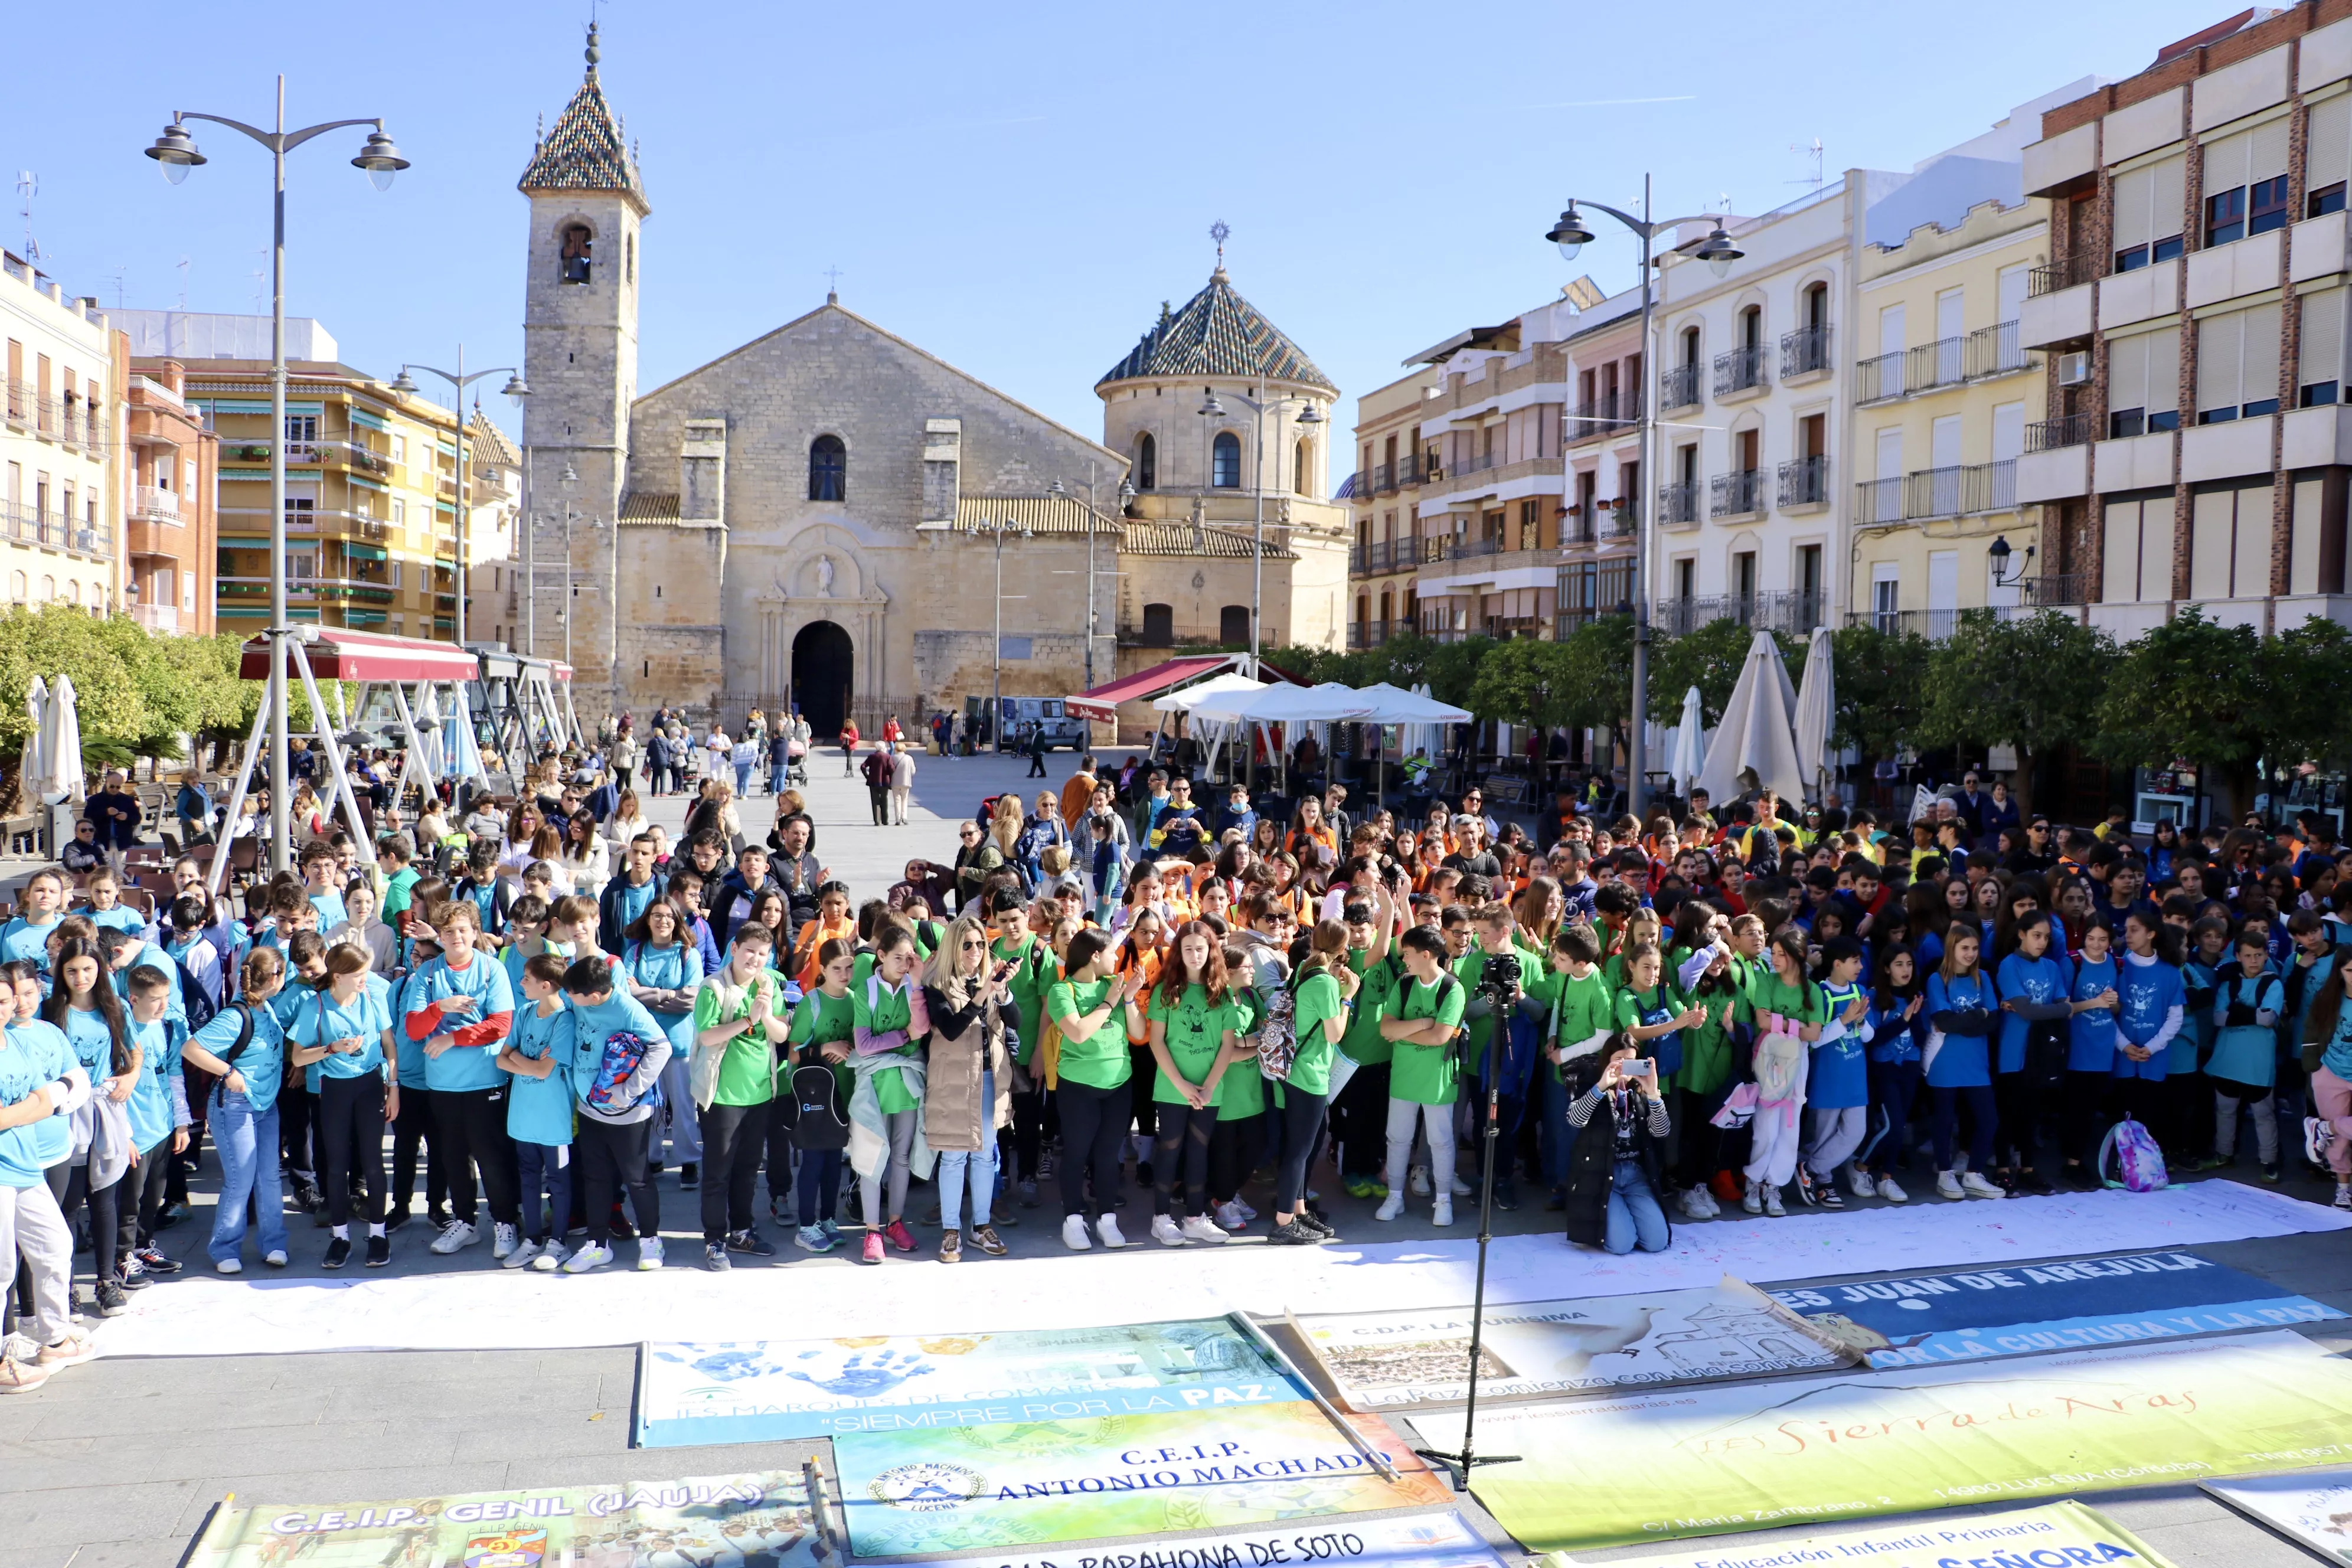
pixel 173 376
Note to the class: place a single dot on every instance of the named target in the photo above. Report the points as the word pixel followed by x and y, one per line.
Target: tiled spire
pixel 585 150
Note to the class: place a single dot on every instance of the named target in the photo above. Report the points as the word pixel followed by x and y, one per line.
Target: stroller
pixel 796 762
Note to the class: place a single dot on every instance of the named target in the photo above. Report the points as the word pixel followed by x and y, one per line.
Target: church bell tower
pixel 580 357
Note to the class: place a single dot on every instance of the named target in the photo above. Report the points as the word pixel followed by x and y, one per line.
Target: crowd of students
pixel 1670 1017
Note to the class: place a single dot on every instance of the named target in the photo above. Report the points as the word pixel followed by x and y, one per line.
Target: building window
pixel 1160 626
pixel 1299 465
pixel 629 259
pixel 1225 462
pixel 572 267
pixel 2147 214
pixel 828 469
pixel 1147 462
pixel 1233 625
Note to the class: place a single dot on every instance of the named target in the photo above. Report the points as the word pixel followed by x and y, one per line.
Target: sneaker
pixel 690 1175
pixel 1772 1208
pixel 1506 1197
pixel 456 1234
pixel 2270 1169
pixel 1166 1231
pixel 522 1256
pixel 1316 1226
pixel 1753 1201
pixel 2081 1176
pixel 649 1252
pixel 1708 1207
pixel 873 1250
pixel 172 1215
pixel 2216 1163
pixel 1365 1187
pixel 397 1217
pixel 2317 1133
pixel 812 1238
pixel 130 1276
pixel 21 1376
pixel 1859 1180
pixel 1805 1194
pixel 751 1244
pixel 985 1238
pixel 1948 1185
pixel 1442 1212
pixel 1726 1187
pixel 1028 1195
pixel 338 1252
pixel 228 1265
pixel 592 1255
pixel 654 1166
pixel 1419 1182
pixel 620 1227
pixel 275 1258
pixel 2032 1183
pixel 379 1252
pixel 1291 1235
pixel 1826 1194
pixel 1231 1217
pixel 1691 1205
pixel 1107 1229
pixel 112 1300
pixel 152 1261
pixel 1891 1191
pixel 1391 1206
pixel 1074 1234
pixel 1202 1228
pixel 502 1242
pixel 1242 1205
pixel 70 1350
pixel 900 1235
pixel 1556 1202
pixel 1976 1186
pixel 715 1258
pixel 951 1247
pixel 830 1228
pixel 2343 1196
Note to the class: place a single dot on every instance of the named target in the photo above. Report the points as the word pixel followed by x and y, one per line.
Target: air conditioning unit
pixel 2075 369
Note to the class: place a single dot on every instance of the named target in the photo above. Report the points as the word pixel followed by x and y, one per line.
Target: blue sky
pixel 1015 188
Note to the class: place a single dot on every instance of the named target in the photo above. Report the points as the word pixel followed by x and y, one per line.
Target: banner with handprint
pixel 763 1390
pixel 979 1488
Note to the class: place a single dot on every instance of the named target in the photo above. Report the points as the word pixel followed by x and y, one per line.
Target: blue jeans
pixel 776 772
pixel 819 1188
pixel 1634 1218
pixel 1554 1137
pixel 742 780
pixel 973 1168
pixel 247 1143
pixel 544 1168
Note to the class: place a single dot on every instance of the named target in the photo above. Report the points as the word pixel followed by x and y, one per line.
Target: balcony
pixel 1803 353
pixel 20 402
pixel 1740 370
pixel 1961 490
pixel 1995 351
pixel 1477 463
pixel 1738 494
pixel 1678 388
pixel 1380 555
pixel 1603 417
pixel 54 531
pixel 152 503
pixel 2035 594
pixel 1792 611
pixel 1804 481
pixel 2088 266
pixel 156 618
pixel 1572 620
pixel 1408 472
pixel 2067 430
pixel 1376 633
pixel 1677 505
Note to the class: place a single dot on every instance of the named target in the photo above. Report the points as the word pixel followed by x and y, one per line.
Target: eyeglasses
pixel 975 947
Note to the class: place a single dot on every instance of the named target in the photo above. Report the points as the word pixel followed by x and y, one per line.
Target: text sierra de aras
pixel 1797 1435
pixel 493 1511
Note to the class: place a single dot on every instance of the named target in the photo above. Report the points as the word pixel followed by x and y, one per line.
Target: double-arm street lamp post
pixel 1210 411
pixel 458 380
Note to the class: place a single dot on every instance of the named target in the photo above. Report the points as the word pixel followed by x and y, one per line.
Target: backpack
pixel 625 1053
pixel 2140 1163
pixel 814 1113
pixel 1277 1036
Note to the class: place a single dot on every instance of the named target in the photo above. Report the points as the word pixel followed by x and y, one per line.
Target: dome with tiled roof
pixel 586 149
pixel 1216 334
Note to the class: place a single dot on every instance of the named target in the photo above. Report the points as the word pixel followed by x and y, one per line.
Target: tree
pixel 2032 682
pixel 1526 681
pixel 1709 657
pixel 2305 672
pixel 1450 668
pixel 2189 690
pixel 1880 687
pixel 1600 656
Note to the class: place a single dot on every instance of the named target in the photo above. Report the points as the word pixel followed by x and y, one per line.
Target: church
pixel 823 516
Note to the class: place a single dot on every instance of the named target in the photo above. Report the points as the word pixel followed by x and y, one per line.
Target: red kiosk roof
pixel 342 654
pixel 1102 702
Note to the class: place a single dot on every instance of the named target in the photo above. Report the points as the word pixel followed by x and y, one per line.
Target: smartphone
pixel 1004 971
pixel 1640 1067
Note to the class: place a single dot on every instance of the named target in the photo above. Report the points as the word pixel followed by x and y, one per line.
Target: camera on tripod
pixel 1498 977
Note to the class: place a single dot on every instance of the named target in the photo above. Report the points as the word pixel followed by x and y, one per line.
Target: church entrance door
pixel 823 667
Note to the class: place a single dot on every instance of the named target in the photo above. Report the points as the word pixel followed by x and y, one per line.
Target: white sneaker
pixel 1891 1191
pixel 1461 1189
pixel 1107 1227
pixel 1201 1227
pixel 551 1256
pixel 1229 1215
pixel 1948 1185
pixel 228 1265
pixel 516 1256
pixel 1165 1231
pixel 1754 1202
pixel 1390 1205
pixel 1858 1182
pixel 2317 1133
pixel 1419 1182
pixel 592 1255
pixel 649 1252
pixel 1708 1207
pixel 1976 1186
pixel 1772 1208
pixel 456 1234
pixel 1074 1234
pixel 502 1242
pixel 1691 1205
pixel 275 1259
pixel 1444 1212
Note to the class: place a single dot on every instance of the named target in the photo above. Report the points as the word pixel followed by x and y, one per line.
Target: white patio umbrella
pixel 61 741
pixel 1754 734
pixel 1815 707
pixel 1687 757
pixel 33 767
pixel 1416 710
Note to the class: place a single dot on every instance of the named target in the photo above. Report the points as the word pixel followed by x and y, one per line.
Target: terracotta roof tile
pixel 1217 334
pixel 585 151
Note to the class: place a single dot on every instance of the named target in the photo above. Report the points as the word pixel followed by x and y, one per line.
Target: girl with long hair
pixel 1958 1057
pixel 1323 991
pixel 664 971
pixel 824 1032
pixel 1094 1068
pixel 892 1026
pixel 342 1032
pixel 968 1084
pixel 85 1005
pixel 1194 1022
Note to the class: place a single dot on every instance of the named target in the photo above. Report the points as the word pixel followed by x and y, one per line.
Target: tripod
pixel 1458 1466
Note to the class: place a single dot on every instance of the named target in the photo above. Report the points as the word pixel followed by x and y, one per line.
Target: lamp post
pixel 1125 495
pixel 1210 411
pixel 176 151
pixel 458 380
pixel 997 530
pixel 1718 252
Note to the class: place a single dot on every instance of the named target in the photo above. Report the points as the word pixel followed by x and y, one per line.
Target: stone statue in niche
pixel 825 576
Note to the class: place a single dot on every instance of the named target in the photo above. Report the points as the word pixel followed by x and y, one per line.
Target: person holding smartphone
pixel 1617 1168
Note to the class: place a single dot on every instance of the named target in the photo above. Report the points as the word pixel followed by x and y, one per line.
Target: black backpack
pixel 815 1111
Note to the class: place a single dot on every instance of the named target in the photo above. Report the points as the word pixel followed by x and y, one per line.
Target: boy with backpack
pixel 539 1112
pixel 617 1054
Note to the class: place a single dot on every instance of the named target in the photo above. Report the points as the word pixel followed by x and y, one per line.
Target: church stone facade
pixel 809 518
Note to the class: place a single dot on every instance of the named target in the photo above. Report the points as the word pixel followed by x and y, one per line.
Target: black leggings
pixel 142 1199
pixel 2086 1113
pixel 105 1215
pixel 472 1123
pixel 1302 1130
pixel 1183 1143
pixel 414 1126
pixel 1945 1120
pixel 1094 1122
pixel 731 1136
pixel 613 1157
pixel 1233 1155
pixel 1142 1069
pixel 296 1130
pixel 351 1128
pixel 2019 1102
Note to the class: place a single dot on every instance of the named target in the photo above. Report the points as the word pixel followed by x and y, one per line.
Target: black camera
pixel 1499 976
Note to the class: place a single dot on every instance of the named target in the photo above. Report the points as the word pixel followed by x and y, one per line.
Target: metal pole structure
pixel 1257 548
pixel 530 558
pixel 996 678
pixel 458 380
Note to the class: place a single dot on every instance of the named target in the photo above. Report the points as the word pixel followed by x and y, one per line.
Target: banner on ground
pixel 759 1391
pixel 757 1517
pixel 1809 1450
pixel 2313 1510
pixel 2036 1307
pixel 973 1488
pixel 1400 1540
pixel 1535 1349
pixel 2065 1534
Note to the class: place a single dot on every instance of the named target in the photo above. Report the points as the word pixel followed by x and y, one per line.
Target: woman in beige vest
pixel 968 1091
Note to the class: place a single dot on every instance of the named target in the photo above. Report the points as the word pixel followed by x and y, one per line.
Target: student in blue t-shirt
pixel 2152 1004
pixel 539 1111
pixel 26 937
pixel 1959 1008
pixel 106 910
pixel 319 884
pixel 2032 981
pixel 84 1004
pixel 1897 1028
pixel 462 1009
pixel 414 1138
pixel 1837 1082
pixel 2249 1000
pixel 341 1033
pixel 40 1084
pixel 243 1112
pixel 157 1111
pixel 2093 992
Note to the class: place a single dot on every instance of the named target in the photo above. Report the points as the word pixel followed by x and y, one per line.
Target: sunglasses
pixel 975 947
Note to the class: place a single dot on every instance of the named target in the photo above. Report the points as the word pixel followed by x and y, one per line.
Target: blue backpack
pixel 625 1053
pixel 2139 1163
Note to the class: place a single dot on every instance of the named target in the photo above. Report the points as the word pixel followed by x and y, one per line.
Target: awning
pixel 339 655
pixel 365 552
pixel 1102 702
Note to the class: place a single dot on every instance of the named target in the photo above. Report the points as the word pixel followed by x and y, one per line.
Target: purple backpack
pixel 2140 1163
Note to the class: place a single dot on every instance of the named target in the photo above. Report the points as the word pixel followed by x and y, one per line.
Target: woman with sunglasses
pixel 967 1089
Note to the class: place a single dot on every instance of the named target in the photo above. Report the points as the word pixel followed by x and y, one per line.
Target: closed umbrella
pixel 1755 735
pixel 33 767
pixel 1815 706
pixel 1687 756
pixel 61 771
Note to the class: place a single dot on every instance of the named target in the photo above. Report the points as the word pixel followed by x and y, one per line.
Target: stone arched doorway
pixel 823 675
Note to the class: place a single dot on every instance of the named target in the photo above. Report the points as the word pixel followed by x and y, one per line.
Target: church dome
pixel 1216 334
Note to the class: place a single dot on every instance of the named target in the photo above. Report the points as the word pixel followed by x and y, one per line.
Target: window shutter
pixel 2127 371
pixel 2328 157
pixel 2221 342
pixel 2163 390
pixel 2133 194
pixel 2226 162
pixel 2169 188
pixel 2266 150
pixel 2259 379
pixel 2322 356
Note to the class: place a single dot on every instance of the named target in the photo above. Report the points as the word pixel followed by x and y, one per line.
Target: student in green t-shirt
pixel 1422 1021
pixel 892 1030
pixel 1580 1013
pixel 1359 1114
pixel 1089 1007
pixel 1195 1029
pixel 1239 1135
pixel 738 1020
pixel 1324 992
pixel 824 1032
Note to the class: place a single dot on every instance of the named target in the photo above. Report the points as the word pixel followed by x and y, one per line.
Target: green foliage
pixel 1709 658
pixel 1526 681
pixel 1880 688
pixel 2188 688
pixel 2306 670
pixel 1600 660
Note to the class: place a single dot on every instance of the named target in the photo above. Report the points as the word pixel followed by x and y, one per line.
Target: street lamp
pixel 458 380
pixel 1717 250
pixel 175 151
pixel 2000 554
pixel 1212 410
pixel 1125 495
pixel 998 530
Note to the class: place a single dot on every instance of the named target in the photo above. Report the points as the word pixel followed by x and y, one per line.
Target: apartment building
pixel 1380 494
pixel 494 564
pixel 171 475
pixel 61 509
pixel 372 477
pixel 2194 315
